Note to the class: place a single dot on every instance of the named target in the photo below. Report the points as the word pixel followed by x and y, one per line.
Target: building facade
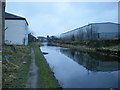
pixel 16 30
pixel 93 31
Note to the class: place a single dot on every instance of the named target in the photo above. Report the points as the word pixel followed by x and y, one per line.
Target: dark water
pixel 75 69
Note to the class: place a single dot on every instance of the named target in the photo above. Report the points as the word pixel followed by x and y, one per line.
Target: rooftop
pixel 14 17
pixel 8 15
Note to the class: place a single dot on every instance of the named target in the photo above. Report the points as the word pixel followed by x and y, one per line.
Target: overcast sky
pixel 54 18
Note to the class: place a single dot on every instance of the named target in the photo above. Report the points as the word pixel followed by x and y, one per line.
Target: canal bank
pixel 16 70
pixel 111 46
pixel 46 77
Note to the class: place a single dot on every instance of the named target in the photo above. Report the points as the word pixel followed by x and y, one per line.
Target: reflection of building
pixel 90 63
pixel 16 30
pixel 93 31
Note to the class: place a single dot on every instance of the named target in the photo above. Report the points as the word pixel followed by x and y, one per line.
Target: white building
pixel 16 30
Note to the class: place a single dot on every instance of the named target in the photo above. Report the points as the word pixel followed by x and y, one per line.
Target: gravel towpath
pixel 33 72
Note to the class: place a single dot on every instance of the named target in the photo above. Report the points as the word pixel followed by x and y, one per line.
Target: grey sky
pixel 54 18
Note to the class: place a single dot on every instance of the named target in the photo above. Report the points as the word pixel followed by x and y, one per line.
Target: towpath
pixel 33 72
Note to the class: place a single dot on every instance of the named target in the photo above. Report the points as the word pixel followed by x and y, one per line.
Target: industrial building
pixel 93 31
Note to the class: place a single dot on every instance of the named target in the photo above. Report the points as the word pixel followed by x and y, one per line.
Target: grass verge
pixel 45 77
pixel 77 47
pixel 15 72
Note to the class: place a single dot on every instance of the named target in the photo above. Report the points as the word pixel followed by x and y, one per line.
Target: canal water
pixel 75 69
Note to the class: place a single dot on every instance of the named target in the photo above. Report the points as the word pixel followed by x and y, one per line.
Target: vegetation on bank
pixel 45 77
pixel 77 47
pixel 14 70
pixel 111 46
pixel 92 43
pixel 115 49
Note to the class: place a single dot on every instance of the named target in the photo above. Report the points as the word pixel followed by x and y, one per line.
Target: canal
pixel 75 69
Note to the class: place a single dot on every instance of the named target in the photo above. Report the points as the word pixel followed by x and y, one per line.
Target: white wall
pixel 26 34
pixel 16 32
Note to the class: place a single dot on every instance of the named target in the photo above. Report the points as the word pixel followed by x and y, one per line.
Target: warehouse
pixel 92 31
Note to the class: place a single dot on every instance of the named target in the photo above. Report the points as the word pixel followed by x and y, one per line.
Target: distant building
pixel 32 38
pixel 16 30
pixel 42 39
pixel 93 31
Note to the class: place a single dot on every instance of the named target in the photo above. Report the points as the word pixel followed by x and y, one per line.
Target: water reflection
pixel 93 61
pixel 75 69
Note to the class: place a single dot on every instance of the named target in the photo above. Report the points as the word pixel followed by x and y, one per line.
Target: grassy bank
pixel 107 46
pixel 97 43
pixel 14 71
pixel 115 49
pixel 77 47
pixel 45 77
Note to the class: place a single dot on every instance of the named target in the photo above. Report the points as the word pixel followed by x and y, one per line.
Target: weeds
pixel 14 71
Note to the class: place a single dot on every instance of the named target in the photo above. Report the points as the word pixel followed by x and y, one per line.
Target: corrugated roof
pixel 92 24
pixel 14 17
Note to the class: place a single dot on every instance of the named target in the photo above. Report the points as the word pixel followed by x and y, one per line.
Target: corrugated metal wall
pixel 93 31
